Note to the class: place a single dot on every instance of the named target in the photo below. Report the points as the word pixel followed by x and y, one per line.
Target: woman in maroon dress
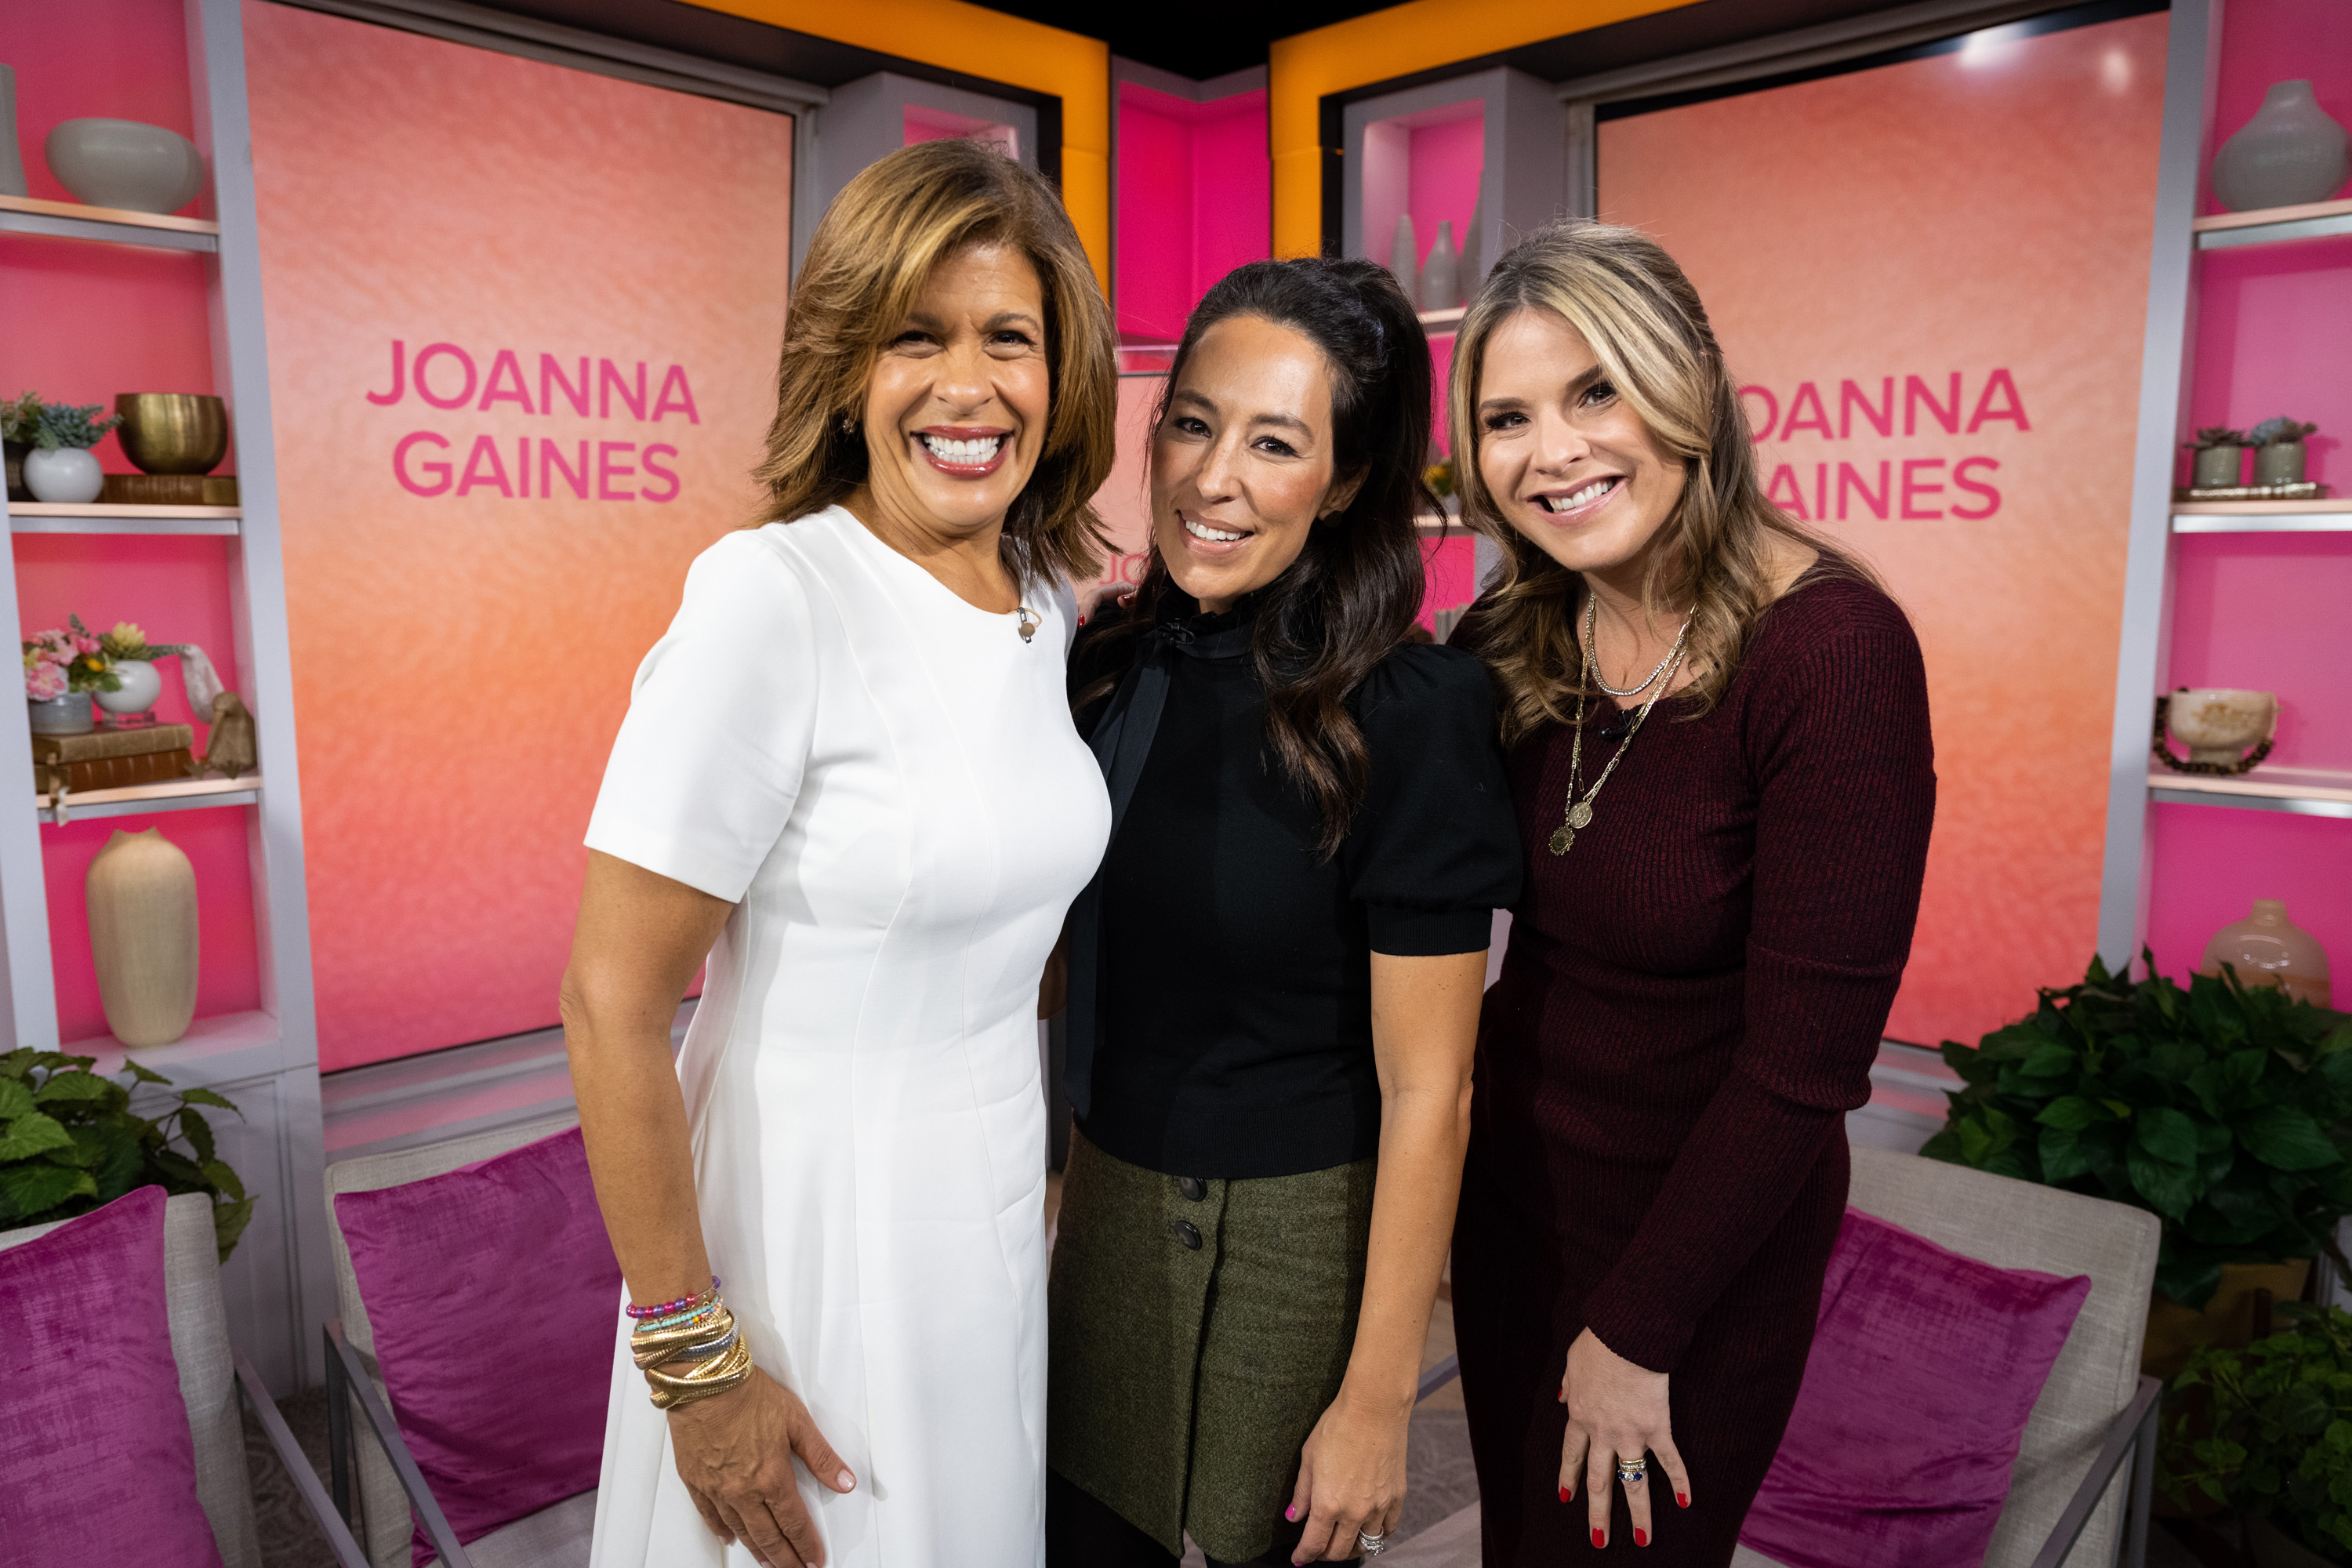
pixel 1721 765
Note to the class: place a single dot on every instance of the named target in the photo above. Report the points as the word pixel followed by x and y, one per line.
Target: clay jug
pixel 143 936
pixel 2268 948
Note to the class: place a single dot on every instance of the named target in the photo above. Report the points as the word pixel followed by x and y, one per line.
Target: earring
pixel 848 425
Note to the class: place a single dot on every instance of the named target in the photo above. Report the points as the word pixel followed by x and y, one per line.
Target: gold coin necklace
pixel 1579 812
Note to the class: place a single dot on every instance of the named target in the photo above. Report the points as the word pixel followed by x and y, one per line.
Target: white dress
pixel 886 781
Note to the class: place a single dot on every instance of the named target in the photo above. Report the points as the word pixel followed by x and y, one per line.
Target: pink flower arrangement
pixel 66 658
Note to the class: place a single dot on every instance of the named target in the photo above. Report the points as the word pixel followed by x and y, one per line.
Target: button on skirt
pixel 1198 1329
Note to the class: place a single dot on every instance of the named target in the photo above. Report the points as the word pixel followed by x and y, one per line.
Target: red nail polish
pixel 1600 1539
pixel 1682 1499
pixel 1563 1494
pixel 1641 1536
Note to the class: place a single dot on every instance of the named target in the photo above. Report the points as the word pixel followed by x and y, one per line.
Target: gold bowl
pixel 172 432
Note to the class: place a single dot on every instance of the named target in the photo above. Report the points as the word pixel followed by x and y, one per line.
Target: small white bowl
pixel 2217 725
pixel 125 164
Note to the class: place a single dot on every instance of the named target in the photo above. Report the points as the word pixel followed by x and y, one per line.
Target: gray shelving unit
pixel 279 1284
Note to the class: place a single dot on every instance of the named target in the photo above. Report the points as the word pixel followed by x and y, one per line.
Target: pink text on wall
pixel 1909 407
pixel 447 376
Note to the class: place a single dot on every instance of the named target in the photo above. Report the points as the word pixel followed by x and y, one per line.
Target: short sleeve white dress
pixel 886 781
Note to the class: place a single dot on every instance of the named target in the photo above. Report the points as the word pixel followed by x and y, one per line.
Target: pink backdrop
pixel 455 245
pixel 1940 325
pixel 1196 191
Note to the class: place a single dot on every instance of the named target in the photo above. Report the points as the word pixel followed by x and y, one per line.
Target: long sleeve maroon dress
pixel 1691 1002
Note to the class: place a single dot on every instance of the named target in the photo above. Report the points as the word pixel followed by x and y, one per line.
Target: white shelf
pixel 94 517
pixel 2327 516
pixel 71 220
pixel 221 1049
pixel 134 799
pixel 2273 225
pixel 2304 798
pixel 1452 318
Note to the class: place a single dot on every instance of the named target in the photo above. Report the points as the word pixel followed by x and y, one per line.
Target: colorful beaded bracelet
pixel 700 1298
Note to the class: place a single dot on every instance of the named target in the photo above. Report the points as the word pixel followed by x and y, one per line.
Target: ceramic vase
pixel 2216 467
pixel 1440 275
pixel 1404 259
pixel 2218 723
pixel 125 164
pixel 12 160
pixel 2288 154
pixel 67 715
pixel 66 476
pixel 142 935
pixel 140 686
pixel 2280 463
pixel 2268 948
pixel 1473 272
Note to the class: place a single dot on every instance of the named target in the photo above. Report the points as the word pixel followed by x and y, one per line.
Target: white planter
pixel 126 164
pixel 140 686
pixel 63 475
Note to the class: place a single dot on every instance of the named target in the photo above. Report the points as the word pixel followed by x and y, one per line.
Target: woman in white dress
pixel 848 776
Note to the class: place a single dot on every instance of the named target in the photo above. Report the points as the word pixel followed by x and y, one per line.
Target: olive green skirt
pixel 1195 1340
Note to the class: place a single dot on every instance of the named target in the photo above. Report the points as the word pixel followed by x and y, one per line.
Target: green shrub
pixel 69 1142
pixel 2272 1437
pixel 2226 1109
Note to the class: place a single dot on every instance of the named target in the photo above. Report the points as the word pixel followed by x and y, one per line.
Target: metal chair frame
pixel 348 1382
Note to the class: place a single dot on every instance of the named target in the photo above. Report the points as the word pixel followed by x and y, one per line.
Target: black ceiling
pixel 1204 39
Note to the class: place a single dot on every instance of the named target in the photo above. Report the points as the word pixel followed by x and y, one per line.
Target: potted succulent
pixel 71 1141
pixel 59 468
pixel 2279 451
pixel 63 667
pixel 2267 1431
pixel 2224 1109
pixel 2218 459
pixel 20 416
pixel 132 661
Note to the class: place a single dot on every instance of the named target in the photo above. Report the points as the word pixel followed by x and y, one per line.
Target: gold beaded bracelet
pixel 714 1336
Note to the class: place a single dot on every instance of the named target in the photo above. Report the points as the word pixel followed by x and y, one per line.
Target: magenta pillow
pixel 98 1465
pixel 1924 1367
pixel 494 1298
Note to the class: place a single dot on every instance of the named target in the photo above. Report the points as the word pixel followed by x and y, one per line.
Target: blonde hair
pixel 867 265
pixel 1629 300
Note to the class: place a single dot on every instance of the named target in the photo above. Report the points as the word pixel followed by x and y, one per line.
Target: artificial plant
pixel 2280 432
pixel 2224 1109
pixel 69 425
pixel 2270 1434
pixel 70 1141
pixel 2217 435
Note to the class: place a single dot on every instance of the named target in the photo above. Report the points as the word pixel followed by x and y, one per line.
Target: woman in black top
pixel 1274 978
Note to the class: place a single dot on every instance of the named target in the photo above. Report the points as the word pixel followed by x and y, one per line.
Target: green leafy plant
pixel 71 425
pixel 2279 431
pixel 70 1141
pixel 2271 1436
pixel 2217 435
pixel 2223 1109
pixel 20 417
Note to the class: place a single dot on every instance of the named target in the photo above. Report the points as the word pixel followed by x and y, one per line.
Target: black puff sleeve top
pixel 1234 1032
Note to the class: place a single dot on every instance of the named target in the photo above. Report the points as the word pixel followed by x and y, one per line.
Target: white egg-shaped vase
pixel 142 937
pixel 63 475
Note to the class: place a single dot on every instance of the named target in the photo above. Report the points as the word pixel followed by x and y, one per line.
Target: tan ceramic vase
pixel 2268 948
pixel 142 935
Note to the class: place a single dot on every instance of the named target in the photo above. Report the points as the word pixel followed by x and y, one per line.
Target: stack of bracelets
pixel 698 1329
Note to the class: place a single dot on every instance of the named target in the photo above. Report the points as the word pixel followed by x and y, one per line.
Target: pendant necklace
pixel 1029 621
pixel 1579 812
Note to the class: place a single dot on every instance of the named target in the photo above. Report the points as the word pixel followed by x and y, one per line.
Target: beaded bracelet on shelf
pixel 700 1298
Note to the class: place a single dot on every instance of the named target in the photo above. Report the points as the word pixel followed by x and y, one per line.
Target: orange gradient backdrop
pixel 1984 214
pixel 462 652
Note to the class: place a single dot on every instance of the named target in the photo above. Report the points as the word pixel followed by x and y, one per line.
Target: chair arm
pixel 1438 1376
pixel 298 1465
pixel 2133 1433
pixel 344 1365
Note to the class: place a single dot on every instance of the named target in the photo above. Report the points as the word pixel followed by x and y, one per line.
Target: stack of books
pixel 169 489
pixel 111 759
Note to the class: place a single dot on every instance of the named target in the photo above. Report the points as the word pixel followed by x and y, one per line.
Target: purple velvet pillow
pixel 1924 1367
pixel 494 1298
pixel 98 1465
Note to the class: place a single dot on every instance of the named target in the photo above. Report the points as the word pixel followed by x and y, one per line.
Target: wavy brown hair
pixel 867 264
pixel 1352 595
pixel 1627 298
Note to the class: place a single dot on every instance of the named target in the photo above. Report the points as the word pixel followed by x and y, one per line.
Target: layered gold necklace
pixel 1580 811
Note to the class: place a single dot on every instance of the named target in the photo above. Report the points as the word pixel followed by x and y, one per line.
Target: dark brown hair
pixel 876 247
pixel 1352 594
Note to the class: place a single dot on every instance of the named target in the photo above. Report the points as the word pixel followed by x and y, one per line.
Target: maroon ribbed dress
pixel 1691 1002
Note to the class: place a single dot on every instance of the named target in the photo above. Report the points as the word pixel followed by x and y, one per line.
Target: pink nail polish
pixel 1600 1539
pixel 1291 1513
pixel 1641 1536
